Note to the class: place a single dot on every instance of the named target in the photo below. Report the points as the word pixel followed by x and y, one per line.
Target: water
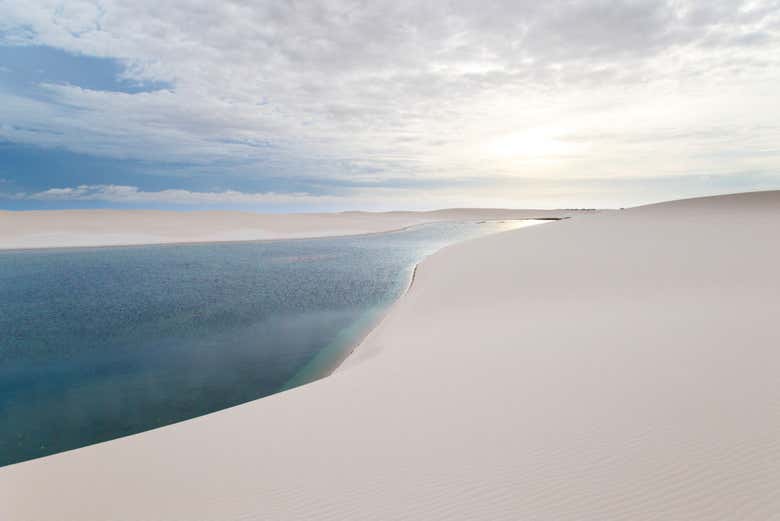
pixel 98 343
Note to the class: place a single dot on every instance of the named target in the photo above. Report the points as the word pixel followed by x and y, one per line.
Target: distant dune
pixel 614 366
pixel 71 228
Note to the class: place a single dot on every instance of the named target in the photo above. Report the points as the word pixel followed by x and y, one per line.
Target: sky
pixel 341 105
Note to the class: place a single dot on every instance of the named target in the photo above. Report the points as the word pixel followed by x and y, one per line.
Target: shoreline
pixel 78 229
pixel 354 344
pixel 203 243
pixel 473 399
pixel 376 321
pixel 242 241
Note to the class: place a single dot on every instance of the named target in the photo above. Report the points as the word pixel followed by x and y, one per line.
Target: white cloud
pixel 416 90
pixel 376 199
pixel 132 194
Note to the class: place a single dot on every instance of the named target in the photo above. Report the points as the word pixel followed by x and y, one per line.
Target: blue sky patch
pixel 24 67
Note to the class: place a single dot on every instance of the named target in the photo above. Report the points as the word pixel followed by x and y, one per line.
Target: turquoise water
pixel 98 343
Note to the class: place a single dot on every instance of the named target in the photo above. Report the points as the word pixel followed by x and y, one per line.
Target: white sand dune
pixel 616 366
pixel 73 228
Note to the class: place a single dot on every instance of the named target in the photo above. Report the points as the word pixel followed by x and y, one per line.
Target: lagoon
pixel 99 343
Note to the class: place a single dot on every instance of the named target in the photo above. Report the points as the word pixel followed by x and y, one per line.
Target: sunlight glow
pixel 533 144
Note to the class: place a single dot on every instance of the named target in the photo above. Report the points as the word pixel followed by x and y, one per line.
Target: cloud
pixel 404 89
pixel 133 195
pixel 377 198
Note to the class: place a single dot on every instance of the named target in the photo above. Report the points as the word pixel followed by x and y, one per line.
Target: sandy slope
pixel 622 365
pixel 66 228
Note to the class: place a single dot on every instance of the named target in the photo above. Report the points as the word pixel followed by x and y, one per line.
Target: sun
pixel 532 144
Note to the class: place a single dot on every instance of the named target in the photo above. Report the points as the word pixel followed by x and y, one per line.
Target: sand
pixel 616 366
pixel 75 228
